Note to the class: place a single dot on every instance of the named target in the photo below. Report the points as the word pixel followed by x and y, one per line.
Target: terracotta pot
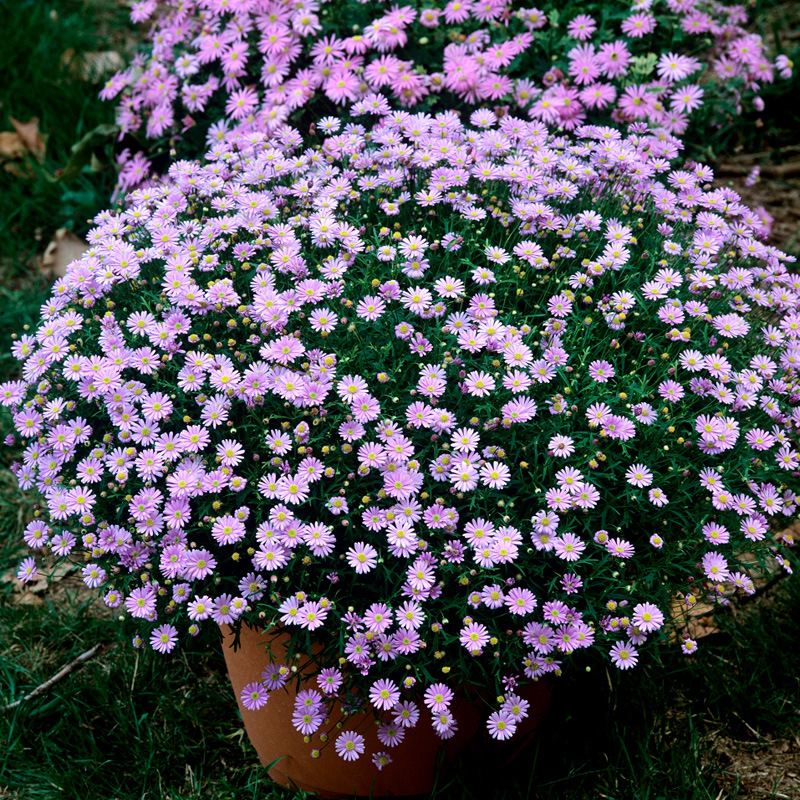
pixel 414 765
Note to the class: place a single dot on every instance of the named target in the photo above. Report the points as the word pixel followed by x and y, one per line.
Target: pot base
pixel 280 747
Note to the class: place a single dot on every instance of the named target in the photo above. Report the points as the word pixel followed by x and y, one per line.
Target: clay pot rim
pixel 474 694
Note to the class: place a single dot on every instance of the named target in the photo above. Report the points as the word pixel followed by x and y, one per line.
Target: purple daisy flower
pixel 384 694
pixel 601 371
pixel 164 638
pixel 501 725
pixel 254 696
pixel 362 557
pixel 624 655
pixel 349 745
pixel 647 617
pixel 27 570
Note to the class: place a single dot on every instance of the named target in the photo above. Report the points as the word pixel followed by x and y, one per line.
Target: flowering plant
pixel 452 401
pixel 251 65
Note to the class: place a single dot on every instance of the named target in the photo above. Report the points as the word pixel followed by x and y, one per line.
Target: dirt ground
pixel 760 768
pixel 777 191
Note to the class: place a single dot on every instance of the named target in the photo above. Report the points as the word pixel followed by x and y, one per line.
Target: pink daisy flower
pixel 474 637
pixel 370 308
pixel 480 384
pixel 569 547
pixel 27 570
pixel 638 475
pixel 582 27
pixel 520 601
pixel 164 638
pixel 384 694
pixel 647 617
pixel 601 371
pixel 715 566
pixel 323 320
pixel 495 475
pixel 501 725
pixel 438 697
pixel 362 557
pixel 307 721
pixel 619 548
pixel 496 255
pixel 561 446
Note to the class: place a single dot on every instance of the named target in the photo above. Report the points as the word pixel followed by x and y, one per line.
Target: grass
pixel 684 728
pixel 41 65
pixel 90 737
pixel 19 307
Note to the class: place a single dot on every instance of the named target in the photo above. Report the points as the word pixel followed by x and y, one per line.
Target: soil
pixel 777 191
pixel 759 768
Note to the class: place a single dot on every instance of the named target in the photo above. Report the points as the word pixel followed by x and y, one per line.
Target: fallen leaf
pixel 68 59
pixel 28 599
pixel 64 248
pixel 28 131
pixel 45 580
pixel 697 621
pixel 11 146
pixel 18 169
pixel 93 66
pixel 24 593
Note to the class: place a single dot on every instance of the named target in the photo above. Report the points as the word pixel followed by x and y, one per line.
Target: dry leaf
pixel 64 248
pixel 28 599
pixel 92 66
pixel 31 593
pixel 68 59
pixel 697 621
pixel 18 169
pixel 28 132
pixel 11 146
pixel 22 592
pixel 43 580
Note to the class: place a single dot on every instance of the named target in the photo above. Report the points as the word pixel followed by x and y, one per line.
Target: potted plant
pixel 443 402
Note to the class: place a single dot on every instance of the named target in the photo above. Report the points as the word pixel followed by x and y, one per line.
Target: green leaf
pixel 643 65
pixel 89 150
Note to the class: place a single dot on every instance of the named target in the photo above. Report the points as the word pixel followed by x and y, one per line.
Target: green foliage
pixel 18 308
pixel 41 65
pixel 778 22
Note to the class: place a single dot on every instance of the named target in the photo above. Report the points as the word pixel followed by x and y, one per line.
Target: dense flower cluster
pixel 251 65
pixel 460 400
